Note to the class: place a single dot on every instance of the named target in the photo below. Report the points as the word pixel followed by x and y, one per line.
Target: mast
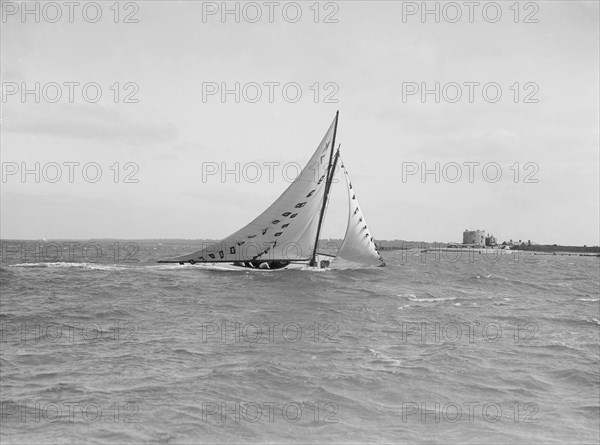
pixel 330 171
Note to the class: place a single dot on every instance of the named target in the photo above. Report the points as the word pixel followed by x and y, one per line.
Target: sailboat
pixel 286 234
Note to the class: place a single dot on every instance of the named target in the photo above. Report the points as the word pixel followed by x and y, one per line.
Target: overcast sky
pixel 364 61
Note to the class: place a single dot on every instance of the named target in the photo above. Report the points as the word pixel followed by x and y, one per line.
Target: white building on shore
pixel 474 237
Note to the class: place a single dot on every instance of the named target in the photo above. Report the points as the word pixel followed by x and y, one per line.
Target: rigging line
pixel 313 261
pixel 337 156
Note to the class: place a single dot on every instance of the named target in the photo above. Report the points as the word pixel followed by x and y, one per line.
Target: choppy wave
pixel 432 299
pixel 167 339
pixel 66 265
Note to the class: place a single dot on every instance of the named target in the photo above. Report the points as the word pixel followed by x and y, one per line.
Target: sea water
pixel 106 346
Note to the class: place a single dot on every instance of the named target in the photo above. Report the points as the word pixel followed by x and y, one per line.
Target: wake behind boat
pixel 286 234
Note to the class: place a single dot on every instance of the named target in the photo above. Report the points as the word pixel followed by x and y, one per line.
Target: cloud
pixel 88 121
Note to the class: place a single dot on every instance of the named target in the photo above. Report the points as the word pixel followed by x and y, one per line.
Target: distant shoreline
pixel 382 245
pixel 489 250
pixel 537 249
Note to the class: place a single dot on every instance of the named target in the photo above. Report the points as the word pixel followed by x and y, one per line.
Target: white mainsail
pixel 358 249
pixel 287 230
